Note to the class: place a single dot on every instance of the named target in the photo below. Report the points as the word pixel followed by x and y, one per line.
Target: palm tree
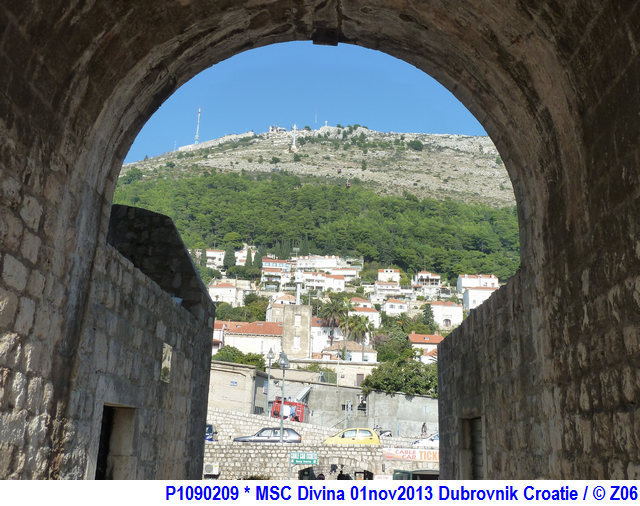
pixel 369 330
pixel 348 306
pixel 332 312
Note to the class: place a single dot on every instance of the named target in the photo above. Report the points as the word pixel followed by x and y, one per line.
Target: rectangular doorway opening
pixel 116 459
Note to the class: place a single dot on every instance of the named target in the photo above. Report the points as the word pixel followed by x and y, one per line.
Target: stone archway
pixel 555 85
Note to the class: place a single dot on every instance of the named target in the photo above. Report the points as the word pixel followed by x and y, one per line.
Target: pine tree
pixel 428 319
pixel 229 257
pixel 257 261
pixel 249 263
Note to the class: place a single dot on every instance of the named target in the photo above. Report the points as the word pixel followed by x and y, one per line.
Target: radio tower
pixel 198 128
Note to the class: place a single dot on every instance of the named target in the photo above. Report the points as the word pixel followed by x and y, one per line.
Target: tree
pixel 229 256
pixel 394 346
pixel 410 377
pixel 234 355
pixel 428 319
pixel 332 312
pixel 133 174
pixel 249 263
pixel 257 261
pixel 415 145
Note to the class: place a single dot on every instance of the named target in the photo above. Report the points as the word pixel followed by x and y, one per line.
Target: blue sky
pixel 283 84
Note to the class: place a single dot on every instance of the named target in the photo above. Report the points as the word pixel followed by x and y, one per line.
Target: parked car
pixel 211 433
pixel 355 436
pixel 271 435
pixel 432 441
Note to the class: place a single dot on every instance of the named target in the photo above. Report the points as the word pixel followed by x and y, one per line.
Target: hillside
pixel 463 168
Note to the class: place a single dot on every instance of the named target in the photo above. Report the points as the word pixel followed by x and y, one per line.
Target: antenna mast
pixel 198 128
pixel 293 148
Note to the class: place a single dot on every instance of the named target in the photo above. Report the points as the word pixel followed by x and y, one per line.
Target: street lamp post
pixel 283 362
pixel 270 357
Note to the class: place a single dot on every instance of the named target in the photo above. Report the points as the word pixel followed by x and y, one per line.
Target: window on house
pixel 297 320
pixel 447 323
pixel 296 343
pixel 359 379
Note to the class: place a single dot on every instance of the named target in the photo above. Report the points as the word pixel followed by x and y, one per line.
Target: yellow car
pixel 354 437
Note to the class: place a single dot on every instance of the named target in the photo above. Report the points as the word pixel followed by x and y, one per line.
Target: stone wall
pixel 555 85
pixel 240 460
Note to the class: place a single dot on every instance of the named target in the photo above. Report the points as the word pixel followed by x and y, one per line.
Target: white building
pixel 358 302
pixel 371 314
pixel 256 337
pixel 226 292
pixel 389 275
pixel 321 333
pixel 354 352
pixel 386 289
pixel 446 314
pixel 473 297
pixel 317 263
pixel 215 258
pixel 395 306
pixel 427 284
pixel 425 342
pixel 274 277
pixel 349 273
pixel 476 280
pixel 275 310
pixel 284 265
pixel 335 283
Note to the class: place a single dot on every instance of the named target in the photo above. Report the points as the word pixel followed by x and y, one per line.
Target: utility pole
pixel 198 128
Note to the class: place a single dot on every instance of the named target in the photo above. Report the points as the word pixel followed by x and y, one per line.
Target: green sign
pixel 303 458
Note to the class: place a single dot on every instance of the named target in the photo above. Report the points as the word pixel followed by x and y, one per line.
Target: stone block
pixel 31 212
pixel 11 230
pixel 24 320
pixel 12 427
pixel 35 285
pixel 30 247
pixel 14 273
pixel 8 308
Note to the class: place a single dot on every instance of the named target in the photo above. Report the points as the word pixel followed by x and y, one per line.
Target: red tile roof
pixel 443 303
pixel 396 301
pixel 223 285
pixel 387 283
pixel 363 310
pixel 483 288
pixel 335 276
pixel 358 299
pixel 425 338
pixel 259 328
pixel 218 324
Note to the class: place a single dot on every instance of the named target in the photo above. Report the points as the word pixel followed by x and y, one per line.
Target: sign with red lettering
pixel 417 455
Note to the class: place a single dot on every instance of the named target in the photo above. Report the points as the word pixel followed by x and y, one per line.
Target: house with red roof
pixel 389 275
pixel 446 314
pixel 227 292
pixel 369 313
pixel 256 337
pixel 395 306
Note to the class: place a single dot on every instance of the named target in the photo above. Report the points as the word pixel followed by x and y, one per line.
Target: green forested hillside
pixel 278 209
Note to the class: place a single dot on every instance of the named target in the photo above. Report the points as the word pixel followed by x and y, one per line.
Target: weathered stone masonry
pixel 549 366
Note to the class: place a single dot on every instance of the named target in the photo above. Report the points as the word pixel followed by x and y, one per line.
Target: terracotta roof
pixel 227 324
pixel 286 297
pixel 335 276
pixel 396 301
pixel 216 250
pixel 483 288
pixel 444 303
pixel 358 299
pixel 259 328
pixel 425 338
pixel 363 310
pixel 223 285
pixel 319 322
pixel 272 269
pixel 387 283
pixel 216 341
pixel 430 353
pixel 488 276
pixel 351 346
pixel 429 273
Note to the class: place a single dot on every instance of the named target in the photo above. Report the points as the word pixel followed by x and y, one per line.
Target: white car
pixel 432 441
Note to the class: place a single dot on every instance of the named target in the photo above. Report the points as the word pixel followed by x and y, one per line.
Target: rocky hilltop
pixel 463 168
